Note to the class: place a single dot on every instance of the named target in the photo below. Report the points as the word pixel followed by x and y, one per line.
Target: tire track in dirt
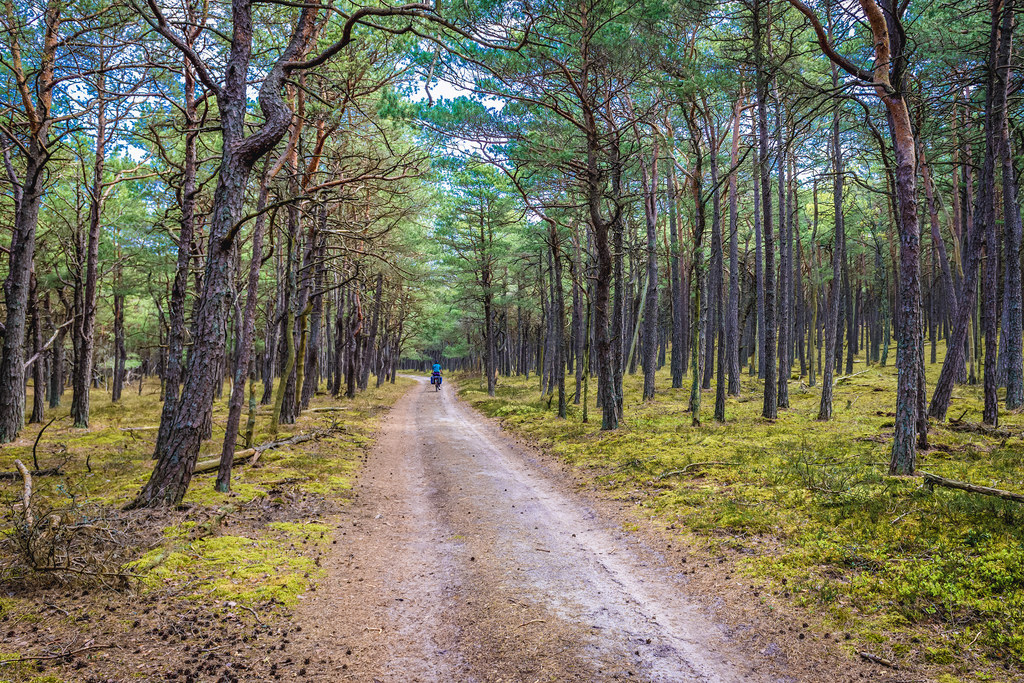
pixel 461 560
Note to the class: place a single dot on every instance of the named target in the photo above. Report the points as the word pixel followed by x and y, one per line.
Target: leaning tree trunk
pixel 983 212
pixel 176 460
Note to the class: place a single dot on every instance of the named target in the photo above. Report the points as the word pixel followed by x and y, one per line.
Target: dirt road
pixel 465 559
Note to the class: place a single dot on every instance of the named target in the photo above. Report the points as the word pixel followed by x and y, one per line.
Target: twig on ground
pixel 26 494
pixel 690 467
pixel 975 428
pixel 59 655
pixel 878 660
pixel 49 472
pixel 253 612
pixel 532 621
pixel 846 377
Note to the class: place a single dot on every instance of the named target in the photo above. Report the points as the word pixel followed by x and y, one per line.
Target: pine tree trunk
pixel 732 313
pixel 245 342
pixel 650 313
pixel 82 379
pixel 838 256
pixel 36 330
pixel 240 151
pixel 770 404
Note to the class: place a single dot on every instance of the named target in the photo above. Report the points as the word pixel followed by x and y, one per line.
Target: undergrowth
pixel 806 507
pixel 256 546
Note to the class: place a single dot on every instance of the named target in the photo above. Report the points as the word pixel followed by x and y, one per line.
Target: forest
pixel 753 266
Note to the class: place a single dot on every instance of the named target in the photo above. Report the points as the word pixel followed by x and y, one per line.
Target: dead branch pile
pixel 64 543
pixel 977 428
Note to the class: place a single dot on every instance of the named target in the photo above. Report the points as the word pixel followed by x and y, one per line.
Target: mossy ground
pixel 257 547
pixel 933 579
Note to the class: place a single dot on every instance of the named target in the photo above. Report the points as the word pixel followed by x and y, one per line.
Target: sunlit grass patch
pixel 267 569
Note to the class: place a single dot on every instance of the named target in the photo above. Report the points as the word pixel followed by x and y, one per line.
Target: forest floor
pixel 429 544
pixel 204 593
pixel 800 522
pixel 471 557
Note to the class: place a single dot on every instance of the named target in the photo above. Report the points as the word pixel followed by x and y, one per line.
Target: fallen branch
pixel 255 616
pixel 26 494
pixel 49 472
pixel 689 468
pixel 846 377
pixel 933 480
pixel 214 462
pixel 532 621
pixel 144 428
pixel 976 428
pixel 878 660
pixel 59 655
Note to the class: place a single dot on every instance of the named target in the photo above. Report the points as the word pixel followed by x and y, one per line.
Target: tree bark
pixel 186 235
pixel 769 408
pixel 245 341
pixel 651 305
pixel 176 460
pixel 732 312
pixel 838 256
pixel 28 198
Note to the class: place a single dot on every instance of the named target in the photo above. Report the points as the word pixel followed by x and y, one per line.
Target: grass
pixel 806 508
pixel 254 545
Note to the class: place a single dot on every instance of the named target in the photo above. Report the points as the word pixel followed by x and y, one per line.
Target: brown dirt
pixel 464 556
pixel 470 557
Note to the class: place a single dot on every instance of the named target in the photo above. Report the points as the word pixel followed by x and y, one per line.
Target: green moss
pixel 236 568
pixel 938 655
pixel 809 504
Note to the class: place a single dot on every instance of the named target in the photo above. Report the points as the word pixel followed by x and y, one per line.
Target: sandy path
pixel 463 559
